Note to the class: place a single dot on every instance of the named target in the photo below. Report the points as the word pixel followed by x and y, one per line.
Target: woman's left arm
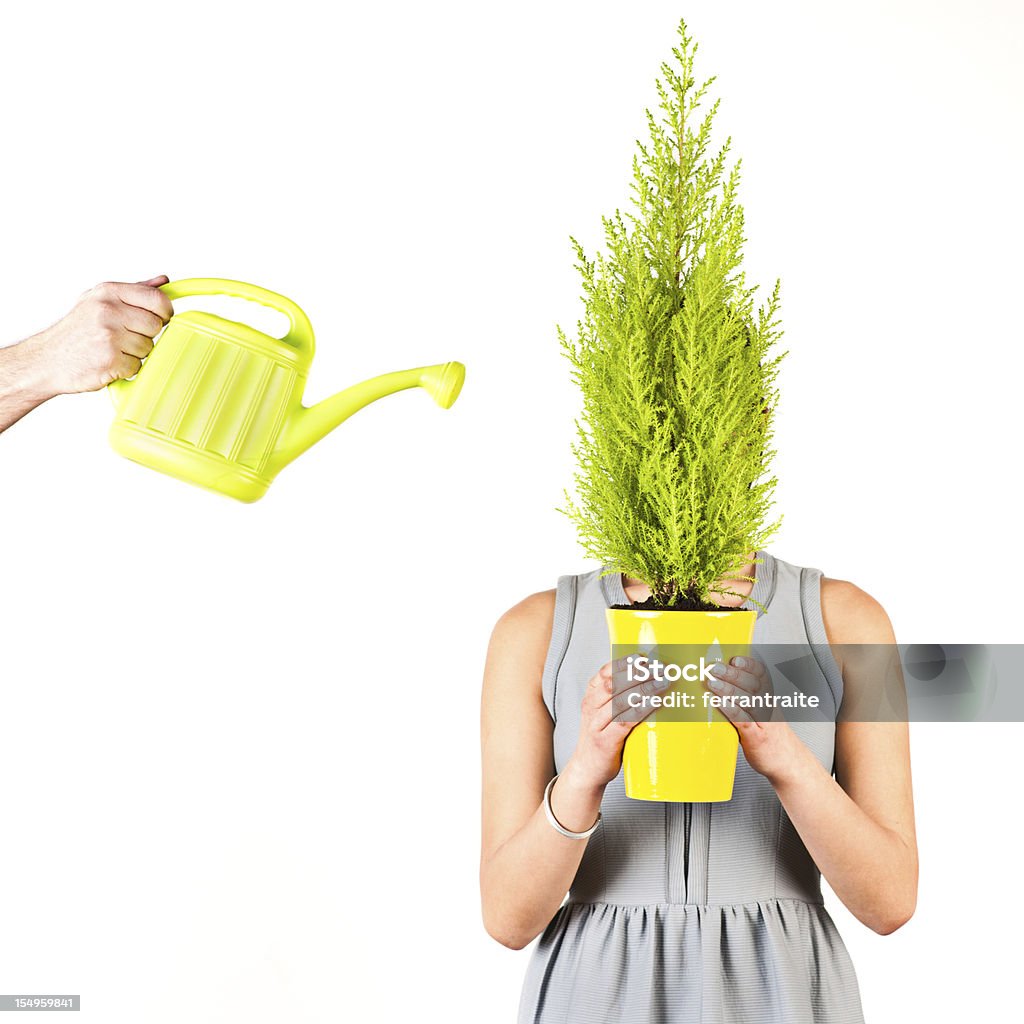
pixel 859 826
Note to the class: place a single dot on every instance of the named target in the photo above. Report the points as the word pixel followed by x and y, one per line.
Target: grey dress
pixel 695 913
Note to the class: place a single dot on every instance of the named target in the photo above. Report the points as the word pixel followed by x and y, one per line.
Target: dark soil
pixel 684 605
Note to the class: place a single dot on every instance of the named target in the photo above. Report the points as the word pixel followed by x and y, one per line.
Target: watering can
pixel 219 404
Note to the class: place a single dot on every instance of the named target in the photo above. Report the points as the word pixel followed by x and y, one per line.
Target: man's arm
pixel 24 382
pixel 104 338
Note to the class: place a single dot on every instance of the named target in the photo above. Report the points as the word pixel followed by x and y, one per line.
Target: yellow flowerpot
pixel 692 757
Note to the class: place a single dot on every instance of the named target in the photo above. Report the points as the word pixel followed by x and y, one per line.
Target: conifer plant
pixel 677 370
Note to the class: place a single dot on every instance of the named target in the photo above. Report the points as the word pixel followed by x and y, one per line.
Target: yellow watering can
pixel 219 404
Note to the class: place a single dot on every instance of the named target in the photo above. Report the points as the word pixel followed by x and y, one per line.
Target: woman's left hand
pixel 769 744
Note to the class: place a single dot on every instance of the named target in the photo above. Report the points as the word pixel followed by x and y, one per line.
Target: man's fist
pixel 105 337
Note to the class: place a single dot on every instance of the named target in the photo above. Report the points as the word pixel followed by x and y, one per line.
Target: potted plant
pixel 677 374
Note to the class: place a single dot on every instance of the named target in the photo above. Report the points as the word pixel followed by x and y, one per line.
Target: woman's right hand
pixel 598 754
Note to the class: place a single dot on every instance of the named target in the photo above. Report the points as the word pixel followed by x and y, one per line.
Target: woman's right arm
pixel 526 866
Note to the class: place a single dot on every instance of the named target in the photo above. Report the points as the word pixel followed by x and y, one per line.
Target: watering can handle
pixel 300 330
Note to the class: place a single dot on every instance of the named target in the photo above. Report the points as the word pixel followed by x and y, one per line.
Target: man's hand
pixel 104 338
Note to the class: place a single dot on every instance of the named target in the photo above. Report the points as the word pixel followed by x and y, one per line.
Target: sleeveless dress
pixel 691 913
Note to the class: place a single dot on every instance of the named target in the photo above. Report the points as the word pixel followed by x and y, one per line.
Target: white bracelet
pixel 554 821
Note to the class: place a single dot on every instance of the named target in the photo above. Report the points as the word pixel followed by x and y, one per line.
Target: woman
pixel 689 912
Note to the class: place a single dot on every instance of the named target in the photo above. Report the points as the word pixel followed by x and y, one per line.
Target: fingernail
pixel 718 669
pixel 740 662
pixel 716 684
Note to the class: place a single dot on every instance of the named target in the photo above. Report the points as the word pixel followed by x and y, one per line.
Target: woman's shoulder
pixel 517 651
pixel 529 621
pixel 851 615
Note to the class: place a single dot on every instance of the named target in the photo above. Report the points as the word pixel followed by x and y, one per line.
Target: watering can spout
pixel 443 381
pixel 219 403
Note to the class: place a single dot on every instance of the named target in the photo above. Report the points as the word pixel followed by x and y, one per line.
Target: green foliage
pixel 678 383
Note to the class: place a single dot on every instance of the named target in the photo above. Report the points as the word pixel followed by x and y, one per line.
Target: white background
pixel 239 754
